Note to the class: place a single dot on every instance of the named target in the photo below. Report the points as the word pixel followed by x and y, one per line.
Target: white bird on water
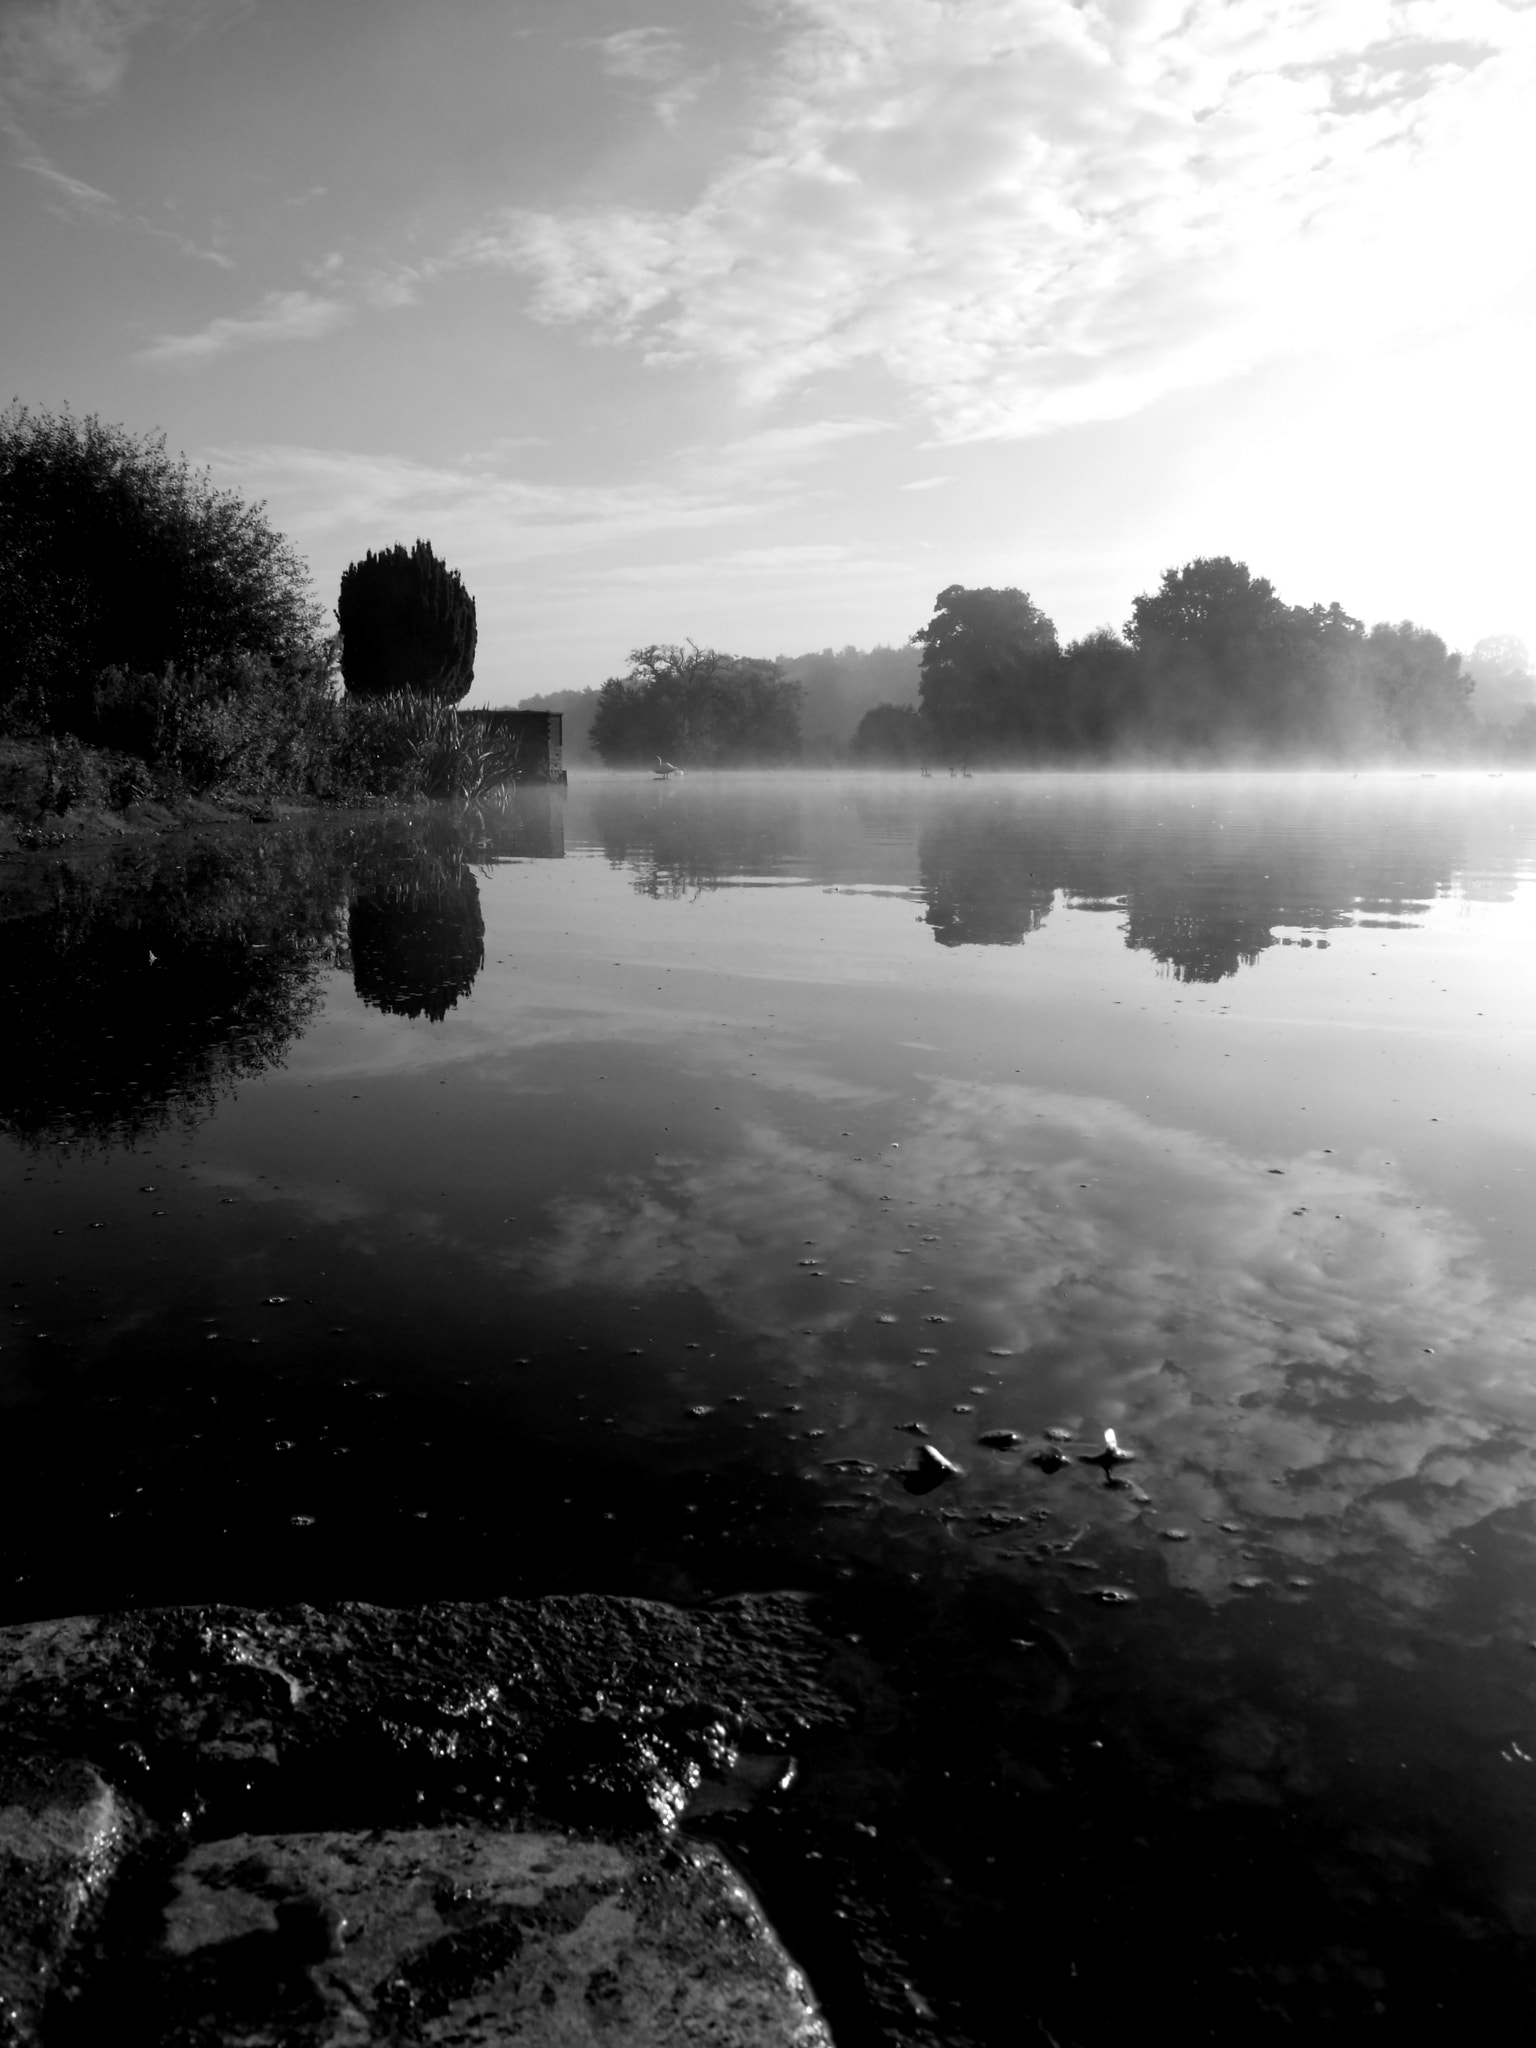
pixel 666 768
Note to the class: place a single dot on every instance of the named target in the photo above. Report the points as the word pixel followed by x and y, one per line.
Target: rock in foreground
pixel 450 1823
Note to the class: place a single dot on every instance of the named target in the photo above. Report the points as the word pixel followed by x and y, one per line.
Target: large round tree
pixel 407 623
pixel 114 554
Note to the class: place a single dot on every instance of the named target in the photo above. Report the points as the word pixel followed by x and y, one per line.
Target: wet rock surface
pixel 461 1934
pixel 63 1833
pixel 455 1822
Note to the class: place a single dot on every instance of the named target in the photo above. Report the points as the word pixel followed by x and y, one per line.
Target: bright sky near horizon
pixel 760 323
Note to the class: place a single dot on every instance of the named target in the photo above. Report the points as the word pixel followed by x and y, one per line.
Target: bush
pixel 407 623
pixel 244 724
pixel 116 556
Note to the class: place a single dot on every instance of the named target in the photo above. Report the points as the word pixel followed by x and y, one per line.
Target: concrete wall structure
pixel 540 737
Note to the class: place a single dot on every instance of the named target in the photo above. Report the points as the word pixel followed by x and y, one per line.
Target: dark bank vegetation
pixel 159 638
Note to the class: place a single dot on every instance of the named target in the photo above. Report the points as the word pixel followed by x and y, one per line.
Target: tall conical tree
pixel 407 623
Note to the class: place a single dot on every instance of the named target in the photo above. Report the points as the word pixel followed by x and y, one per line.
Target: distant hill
pixel 577 707
pixel 841 685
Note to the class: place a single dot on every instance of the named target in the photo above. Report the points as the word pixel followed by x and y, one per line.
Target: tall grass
pixel 420 745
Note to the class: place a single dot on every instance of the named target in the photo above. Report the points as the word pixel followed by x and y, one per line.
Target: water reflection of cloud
pixel 1316 1349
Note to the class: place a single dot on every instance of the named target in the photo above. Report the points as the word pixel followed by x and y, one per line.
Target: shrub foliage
pixel 115 555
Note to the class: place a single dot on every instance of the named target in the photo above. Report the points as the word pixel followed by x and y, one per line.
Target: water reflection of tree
pixel 1202 889
pixel 141 985
pixel 678 842
pixel 145 985
pixel 415 928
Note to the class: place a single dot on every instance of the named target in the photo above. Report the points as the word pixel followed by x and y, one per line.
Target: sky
pixel 758 322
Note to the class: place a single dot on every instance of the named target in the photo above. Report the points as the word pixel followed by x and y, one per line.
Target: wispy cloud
pixel 69 57
pixel 657 58
pixel 1031 213
pixel 650 54
pixel 483 511
pixel 280 316
pixel 73 54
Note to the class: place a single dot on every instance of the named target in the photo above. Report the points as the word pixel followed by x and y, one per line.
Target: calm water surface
pixel 600 1194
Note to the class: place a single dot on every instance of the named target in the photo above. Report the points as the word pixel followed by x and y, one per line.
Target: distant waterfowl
pixel 664 769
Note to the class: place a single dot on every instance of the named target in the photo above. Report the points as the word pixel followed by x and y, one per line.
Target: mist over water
pixel 594 1193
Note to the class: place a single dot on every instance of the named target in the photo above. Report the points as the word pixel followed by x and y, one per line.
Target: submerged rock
pixel 931 1469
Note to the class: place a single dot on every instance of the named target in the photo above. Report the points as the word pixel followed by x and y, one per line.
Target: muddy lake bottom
pixel 618 1190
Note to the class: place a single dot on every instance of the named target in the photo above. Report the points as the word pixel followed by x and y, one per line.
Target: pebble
pixel 1000 1439
pixel 932 1462
pixel 1174 1535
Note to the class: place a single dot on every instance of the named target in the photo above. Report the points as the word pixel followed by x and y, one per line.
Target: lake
pixel 629 1188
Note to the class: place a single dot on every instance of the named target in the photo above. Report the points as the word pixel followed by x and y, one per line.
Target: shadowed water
pixel 593 1194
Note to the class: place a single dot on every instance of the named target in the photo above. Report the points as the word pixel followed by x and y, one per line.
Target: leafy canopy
pixel 407 623
pixel 116 554
pixel 697 707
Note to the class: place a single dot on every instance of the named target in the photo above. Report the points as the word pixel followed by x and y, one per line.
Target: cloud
pixel 476 510
pixel 280 316
pixel 70 55
pixel 87 198
pixel 1324 1349
pixel 1031 213
pixel 653 57
pixel 650 54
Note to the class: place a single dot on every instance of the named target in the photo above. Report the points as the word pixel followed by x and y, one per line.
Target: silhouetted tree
pixel 116 555
pixel 407 623
pixel 1102 693
pixel 991 672
pixel 1500 668
pixel 699 708
pixel 892 735
pixel 1422 696
pixel 1226 667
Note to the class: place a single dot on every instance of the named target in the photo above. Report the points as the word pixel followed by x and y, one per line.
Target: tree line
pixel 1211 668
pixel 149 614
